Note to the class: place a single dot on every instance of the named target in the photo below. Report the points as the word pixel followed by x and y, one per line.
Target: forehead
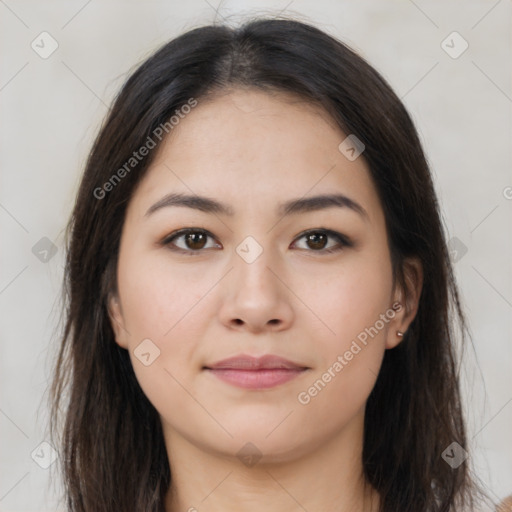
pixel 254 149
pixel 248 120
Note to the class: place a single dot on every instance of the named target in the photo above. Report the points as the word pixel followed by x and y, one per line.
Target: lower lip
pixel 256 379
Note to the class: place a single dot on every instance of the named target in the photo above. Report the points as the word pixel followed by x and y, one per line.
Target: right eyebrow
pixel 300 205
pixel 204 204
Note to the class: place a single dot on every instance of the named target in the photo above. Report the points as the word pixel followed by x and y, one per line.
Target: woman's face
pixel 255 278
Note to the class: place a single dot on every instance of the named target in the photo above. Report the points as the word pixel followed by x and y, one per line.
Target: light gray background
pixel 51 110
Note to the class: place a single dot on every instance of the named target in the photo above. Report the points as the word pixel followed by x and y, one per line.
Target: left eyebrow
pixel 294 206
pixel 309 204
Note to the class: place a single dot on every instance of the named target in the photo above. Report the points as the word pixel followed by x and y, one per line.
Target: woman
pixel 259 291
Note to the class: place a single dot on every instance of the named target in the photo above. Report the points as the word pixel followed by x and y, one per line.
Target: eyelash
pixel 342 240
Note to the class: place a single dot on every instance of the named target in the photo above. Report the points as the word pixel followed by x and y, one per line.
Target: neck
pixel 323 477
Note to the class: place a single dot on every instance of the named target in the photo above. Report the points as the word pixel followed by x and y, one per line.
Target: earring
pixel 399 334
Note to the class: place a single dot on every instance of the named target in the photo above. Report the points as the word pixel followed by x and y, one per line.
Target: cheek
pixel 352 298
pixel 159 298
pixel 162 309
pixel 350 351
pixel 166 313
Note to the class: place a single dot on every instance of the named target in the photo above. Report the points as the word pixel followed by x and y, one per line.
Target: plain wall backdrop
pixel 62 62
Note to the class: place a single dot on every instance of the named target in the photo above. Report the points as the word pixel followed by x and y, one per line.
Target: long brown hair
pixel 111 443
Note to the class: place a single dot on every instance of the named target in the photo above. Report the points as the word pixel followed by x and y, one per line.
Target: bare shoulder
pixel 505 505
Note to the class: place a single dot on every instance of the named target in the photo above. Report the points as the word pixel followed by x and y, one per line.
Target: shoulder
pixel 505 505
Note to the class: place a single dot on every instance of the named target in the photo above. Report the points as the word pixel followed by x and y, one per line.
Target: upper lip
pixel 246 362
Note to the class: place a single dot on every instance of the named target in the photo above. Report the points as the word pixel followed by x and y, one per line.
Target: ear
pixel 406 299
pixel 117 322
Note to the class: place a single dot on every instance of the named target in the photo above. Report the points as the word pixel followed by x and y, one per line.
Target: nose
pixel 256 297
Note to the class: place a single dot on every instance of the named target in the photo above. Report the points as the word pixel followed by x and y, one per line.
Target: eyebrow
pixel 301 205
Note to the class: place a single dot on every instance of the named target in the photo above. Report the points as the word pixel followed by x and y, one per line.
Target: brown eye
pixel 318 241
pixel 190 241
pixel 195 240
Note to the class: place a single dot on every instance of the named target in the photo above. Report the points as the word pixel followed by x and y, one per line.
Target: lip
pixel 246 362
pixel 251 372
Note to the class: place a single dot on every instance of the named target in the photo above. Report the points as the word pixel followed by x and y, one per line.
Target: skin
pixel 252 151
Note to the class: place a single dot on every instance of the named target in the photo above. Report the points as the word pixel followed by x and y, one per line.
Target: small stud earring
pixel 399 334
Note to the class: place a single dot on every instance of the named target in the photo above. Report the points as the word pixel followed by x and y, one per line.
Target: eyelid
pixel 340 237
pixel 166 241
pixel 343 240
